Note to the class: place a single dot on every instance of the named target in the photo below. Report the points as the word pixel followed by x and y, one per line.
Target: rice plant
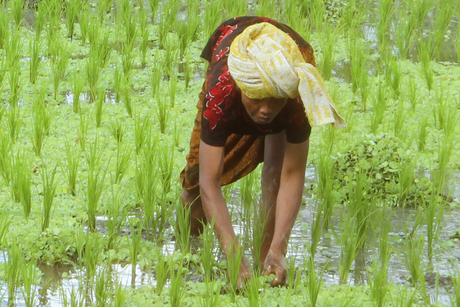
pixel 425 55
pixel 48 192
pixel 70 169
pixel 13 271
pixel 22 182
pixel 35 60
pixel 176 295
pixel 5 157
pixel 136 237
pixel 443 18
pixel 95 183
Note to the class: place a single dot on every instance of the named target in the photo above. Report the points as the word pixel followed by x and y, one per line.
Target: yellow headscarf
pixel 265 62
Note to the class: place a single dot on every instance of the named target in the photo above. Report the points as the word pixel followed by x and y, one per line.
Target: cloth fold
pixel 266 62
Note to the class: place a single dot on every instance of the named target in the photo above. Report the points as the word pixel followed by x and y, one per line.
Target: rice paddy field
pixel 97 104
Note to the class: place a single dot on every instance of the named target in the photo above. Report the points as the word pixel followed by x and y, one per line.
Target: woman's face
pixel 263 111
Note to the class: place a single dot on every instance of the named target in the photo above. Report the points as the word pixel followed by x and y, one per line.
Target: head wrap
pixel 265 62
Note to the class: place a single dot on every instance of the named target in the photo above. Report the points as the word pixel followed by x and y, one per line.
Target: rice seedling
pixel 153 9
pixel 349 246
pixel 83 130
pixel 17 11
pixel 127 99
pixel 183 228
pixel 5 157
pixel 457 45
pixel 103 8
pixel 379 105
pixel 14 123
pixel 422 134
pixel 83 17
pixel 443 18
pixel 455 297
pixel 99 107
pixel 359 63
pixel 258 237
pixel 60 65
pixel 413 258
pixel 93 250
pixel 77 88
pixel 35 60
pixel 4 227
pixel 213 292
pixel 49 189
pixel 172 88
pixel 176 295
pixel 424 48
pixel 398 120
pixel 155 74
pixel 123 162
pixel 313 282
pixel 126 21
pixel 135 244
pixel 265 8
pixel 95 183
pixel 72 162
pixel 360 208
pixel 120 296
pixel 4 26
pixel 12 274
pixel 141 131
pixel 71 11
pixel 92 71
pixel 328 61
pixel 387 9
pixel 127 61
pixel 248 202
pixel 103 286
pixel 212 17
pixel 378 281
pixel 21 182
pixel 162 270
pixel 207 251
pixel 29 274
pixel 325 193
pixel 412 95
pixel 39 125
pixel 235 256
pixel 407 28
pixel 144 34
pixel 162 112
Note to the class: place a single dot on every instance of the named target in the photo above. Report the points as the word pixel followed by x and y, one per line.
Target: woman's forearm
pixel 216 210
pixel 289 195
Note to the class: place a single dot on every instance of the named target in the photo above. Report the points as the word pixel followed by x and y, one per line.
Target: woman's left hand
pixel 275 264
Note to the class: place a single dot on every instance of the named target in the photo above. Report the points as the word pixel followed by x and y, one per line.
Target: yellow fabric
pixel 266 62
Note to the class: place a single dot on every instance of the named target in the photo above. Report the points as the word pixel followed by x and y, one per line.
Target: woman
pixel 261 96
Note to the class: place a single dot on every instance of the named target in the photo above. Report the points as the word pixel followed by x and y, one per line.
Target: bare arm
pixel 215 208
pixel 287 207
pixel 211 166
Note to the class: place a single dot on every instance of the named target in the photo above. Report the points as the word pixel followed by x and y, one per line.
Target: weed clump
pixel 389 171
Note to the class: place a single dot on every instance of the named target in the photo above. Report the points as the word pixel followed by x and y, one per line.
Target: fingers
pixel 280 277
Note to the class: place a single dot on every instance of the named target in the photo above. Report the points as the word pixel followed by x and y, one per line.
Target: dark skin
pixel 283 176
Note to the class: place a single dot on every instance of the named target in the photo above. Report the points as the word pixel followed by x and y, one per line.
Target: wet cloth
pixel 220 120
pixel 266 62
